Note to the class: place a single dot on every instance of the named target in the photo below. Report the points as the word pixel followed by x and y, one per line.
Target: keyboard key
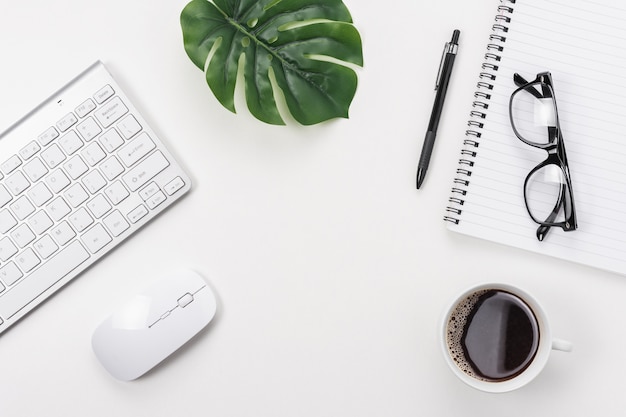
pixel 5 196
pixel 149 190
pixel 111 168
pixel 35 170
pixel 129 126
pixel 10 274
pixel 40 222
pixel 17 183
pixel 155 200
pixel 63 233
pixel 7 249
pixel 99 206
pixel 27 260
pixel 136 149
pixel 94 181
pixel 32 286
pixel 7 221
pixel 76 195
pixel 88 129
pixel 29 150
pixel 96 238
pixel 137 213
pixel 145 171
pixel 111 140
pixel 104 94
pixel 111 112
pixel 80 219
pixel 75 167
pixel 58 209
pixel 66 122
pixel 57 181
pixel 22 235
pixel 45 247
pixel 22 208
pixel 93 154
pixel 115 223
pixel 116 192
pixel 70 143
pixel 85 108
pixel 39 194
pixel 48 136
pixel 174 185
pixel 11 164
pixel 53 156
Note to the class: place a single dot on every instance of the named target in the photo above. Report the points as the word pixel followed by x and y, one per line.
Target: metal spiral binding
pixel 478 114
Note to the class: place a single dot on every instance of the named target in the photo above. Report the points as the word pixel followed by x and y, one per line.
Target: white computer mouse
pixel 152 325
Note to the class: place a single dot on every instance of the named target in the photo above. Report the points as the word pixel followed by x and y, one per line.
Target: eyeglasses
pixel 548 188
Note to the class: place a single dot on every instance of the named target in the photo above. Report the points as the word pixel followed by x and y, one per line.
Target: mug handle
pixel 562 345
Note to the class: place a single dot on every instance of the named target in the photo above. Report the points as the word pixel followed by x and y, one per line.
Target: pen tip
pixel 420 178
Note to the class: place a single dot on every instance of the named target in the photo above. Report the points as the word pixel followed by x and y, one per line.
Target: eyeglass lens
pixel 546 192
pixel 533 112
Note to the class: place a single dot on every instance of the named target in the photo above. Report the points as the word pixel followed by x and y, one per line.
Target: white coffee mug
pixel 545 344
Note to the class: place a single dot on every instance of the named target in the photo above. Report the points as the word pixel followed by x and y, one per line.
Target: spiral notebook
pixel 583 44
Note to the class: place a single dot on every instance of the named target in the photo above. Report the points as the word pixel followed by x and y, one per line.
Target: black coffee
pixel 493 335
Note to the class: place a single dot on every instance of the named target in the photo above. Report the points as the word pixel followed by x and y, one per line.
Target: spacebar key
pixel 32 286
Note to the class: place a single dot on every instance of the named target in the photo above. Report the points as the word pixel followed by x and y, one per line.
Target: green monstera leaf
pixel 299 46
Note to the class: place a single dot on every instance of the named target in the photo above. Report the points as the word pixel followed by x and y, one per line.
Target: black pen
pixel 441 86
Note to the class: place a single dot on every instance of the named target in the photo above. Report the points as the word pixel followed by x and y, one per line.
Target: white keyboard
pixel 78 175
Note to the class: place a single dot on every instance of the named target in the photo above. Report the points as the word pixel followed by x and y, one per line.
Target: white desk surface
pixel 331 269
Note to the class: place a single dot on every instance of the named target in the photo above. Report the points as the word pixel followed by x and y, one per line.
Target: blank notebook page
pixel 583 44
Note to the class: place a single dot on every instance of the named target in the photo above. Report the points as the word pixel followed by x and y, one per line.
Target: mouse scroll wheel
pixel 185 300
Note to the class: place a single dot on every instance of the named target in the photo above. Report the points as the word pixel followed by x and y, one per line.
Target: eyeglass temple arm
pixel 521 82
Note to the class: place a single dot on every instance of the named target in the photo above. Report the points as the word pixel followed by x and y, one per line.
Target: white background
pixel 331 269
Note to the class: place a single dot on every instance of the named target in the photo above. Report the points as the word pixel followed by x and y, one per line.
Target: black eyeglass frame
pixel 556 156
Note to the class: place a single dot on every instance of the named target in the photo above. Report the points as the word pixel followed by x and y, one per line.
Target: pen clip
pixel 449 48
